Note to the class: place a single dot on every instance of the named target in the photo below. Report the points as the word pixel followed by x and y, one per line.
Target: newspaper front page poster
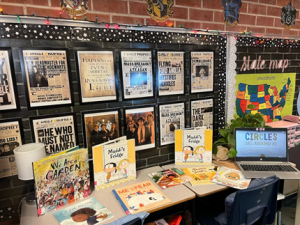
pixel 137 74
pixel 170 73
pixel 57 133
pixel 97 76
pixel 202 71
pixel 10 138
pixel 7 92
pixel 171 118
pixel 47 77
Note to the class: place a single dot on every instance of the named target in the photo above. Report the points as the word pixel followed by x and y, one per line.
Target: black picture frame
pixel 25 78
pixel 213 73
pixel 153 106
pixel 122 78
pixel 33 118
pixel 8 159
pixel 159 121
pixel 19 120
pixel 117 85
pixel 13 79
pixel 83 113
pixel 157 72
pixel 203 99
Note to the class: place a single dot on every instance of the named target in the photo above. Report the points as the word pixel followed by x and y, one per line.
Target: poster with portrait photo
pixel 57 132
pixel 202 113
pixel 170 73
pixel 137 74
pixel 202 71
pixel 100 127
pixel 140 125
pixel 11 136
pixel 97 76
pixel 47 77
pixel 8 94
pixel 171 118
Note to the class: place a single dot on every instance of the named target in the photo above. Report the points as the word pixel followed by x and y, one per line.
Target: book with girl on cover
pixel 87 212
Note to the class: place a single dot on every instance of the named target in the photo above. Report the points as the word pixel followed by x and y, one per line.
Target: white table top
pixel 106 197
pixel 200 190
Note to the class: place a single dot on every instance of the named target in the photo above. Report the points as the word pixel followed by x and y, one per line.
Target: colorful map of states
pixel 266 98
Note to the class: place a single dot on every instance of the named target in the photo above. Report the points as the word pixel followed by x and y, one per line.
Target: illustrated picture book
pixel 231 178
pixel 201 175
pixel 115 162
pixel 193 147
pixel 87 212
pixel 61 180
pixel 170 178
pixel 140 197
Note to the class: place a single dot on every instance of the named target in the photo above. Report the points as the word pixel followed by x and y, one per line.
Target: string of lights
pixel 243 37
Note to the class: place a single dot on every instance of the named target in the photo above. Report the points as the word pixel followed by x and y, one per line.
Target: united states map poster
pixel 272 94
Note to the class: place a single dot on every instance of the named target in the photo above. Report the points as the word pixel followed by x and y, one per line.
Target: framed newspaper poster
pixel 202 113
pixel 170 73
pixel 8 89
pixel 100 126
pixel 202 71
pixel 171 118
pixel 46 75
pixel 11 136
pixel 137 74
pixel 140 125
pixel 97 76
pixel 57 132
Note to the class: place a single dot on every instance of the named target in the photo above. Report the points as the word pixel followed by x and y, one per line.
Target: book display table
pixel 177 195
pixel 199 190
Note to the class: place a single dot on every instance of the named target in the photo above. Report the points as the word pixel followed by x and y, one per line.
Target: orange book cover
pixel 140 197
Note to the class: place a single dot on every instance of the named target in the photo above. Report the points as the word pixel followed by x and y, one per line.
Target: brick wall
pixel 259 16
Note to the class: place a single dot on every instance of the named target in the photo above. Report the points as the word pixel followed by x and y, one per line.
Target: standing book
pixel 87 212
pixel 201 175
pixel 231 178
pixel 115 163
pixel 61 180
pixel 193 147
pixel 139 197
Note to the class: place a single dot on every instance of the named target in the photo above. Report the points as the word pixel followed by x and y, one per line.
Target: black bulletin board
pixel 20 36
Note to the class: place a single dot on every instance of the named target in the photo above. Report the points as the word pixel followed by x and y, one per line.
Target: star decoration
pixel 25 26
pixel 7 29
pixel 55 27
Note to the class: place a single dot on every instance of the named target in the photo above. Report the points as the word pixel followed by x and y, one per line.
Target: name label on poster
pixel 259 64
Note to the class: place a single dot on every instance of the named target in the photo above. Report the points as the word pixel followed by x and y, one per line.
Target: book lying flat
pixel 140 197
pixel 87 212
pixel 231 178
pixel 201 175
pixel 170 178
